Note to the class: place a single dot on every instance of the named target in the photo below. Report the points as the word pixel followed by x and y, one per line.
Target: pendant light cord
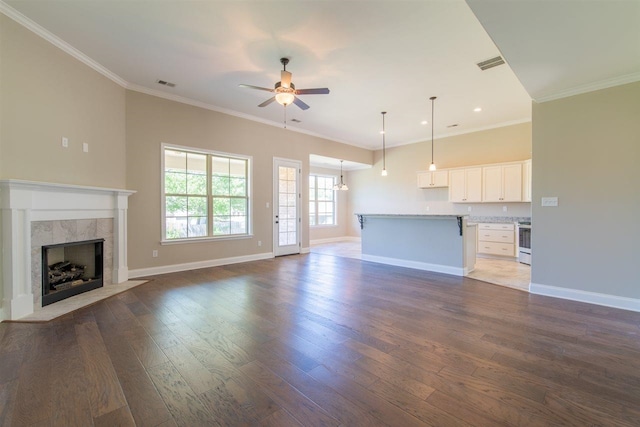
pixel 384 154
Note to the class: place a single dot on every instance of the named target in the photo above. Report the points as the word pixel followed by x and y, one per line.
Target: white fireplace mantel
pixel 22 202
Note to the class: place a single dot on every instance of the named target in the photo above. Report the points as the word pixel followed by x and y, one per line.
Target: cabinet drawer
pixel 499 236
pixel 494 248
pixel 496 226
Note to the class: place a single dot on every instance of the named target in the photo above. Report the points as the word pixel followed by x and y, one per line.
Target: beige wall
pixel 152 121
pixel 586 151
pixel 398 192
pixel 342 205
pixel 46 94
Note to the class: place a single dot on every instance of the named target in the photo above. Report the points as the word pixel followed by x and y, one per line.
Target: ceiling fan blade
pixel 285 78
pixel 318 91
pixel 267 102
pixel 257 87
pixel 300 104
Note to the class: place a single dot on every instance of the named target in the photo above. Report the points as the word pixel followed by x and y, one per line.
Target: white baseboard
pixel 606 300
pixel 305 250
pixel 174 268
pixel 437 268
pixel 335 239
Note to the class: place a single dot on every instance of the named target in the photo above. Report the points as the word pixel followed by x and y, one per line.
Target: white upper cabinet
pixel 526 181
pixel 465 185
pixel 502 183
pixel 436 179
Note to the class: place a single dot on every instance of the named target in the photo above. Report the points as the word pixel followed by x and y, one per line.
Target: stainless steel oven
pixel 524 239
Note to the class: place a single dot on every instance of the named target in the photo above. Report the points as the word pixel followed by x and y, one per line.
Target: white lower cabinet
pixel 497 239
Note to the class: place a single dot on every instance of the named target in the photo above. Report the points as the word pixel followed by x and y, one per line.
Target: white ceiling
pixel 373 55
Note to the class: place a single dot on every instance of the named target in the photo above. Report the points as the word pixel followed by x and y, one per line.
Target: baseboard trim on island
pixel 436 268
pixel 606 300
pixel 175 268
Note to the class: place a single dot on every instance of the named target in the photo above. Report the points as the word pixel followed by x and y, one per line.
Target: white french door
pixel 286 204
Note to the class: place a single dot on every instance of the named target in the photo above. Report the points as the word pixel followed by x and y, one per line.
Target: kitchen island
pixel 440 243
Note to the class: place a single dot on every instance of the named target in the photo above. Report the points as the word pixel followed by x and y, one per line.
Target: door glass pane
pixel 287 209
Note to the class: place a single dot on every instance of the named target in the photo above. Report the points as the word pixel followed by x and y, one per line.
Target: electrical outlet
pixel 85 147
pixel 549 201
pixel 267 205
pixel 504 209
pixel 65 142
pixel 428 208
pixel 154 253
pixel 259 242
pixel 469 209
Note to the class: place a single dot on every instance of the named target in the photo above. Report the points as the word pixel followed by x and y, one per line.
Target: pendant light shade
pixel 341 185
pixel 384 149
pixel 432 166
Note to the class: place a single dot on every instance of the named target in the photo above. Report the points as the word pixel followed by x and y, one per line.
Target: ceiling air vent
pixel 453 125
pixel 490 63
pixel 296 121
pixel 166 83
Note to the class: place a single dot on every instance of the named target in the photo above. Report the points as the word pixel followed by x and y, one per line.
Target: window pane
pixel 312 219
pixel 176 206
pixel 197 184
pixel 197 206
pixel 175 160
pixel 176 228
pixel 197 163
pixel 237 168
pixel 221 225
pixel 221 206
pixel 175 183
pixel 238 207
pixel 197 227
pixel 238 187
pixel 220 185
pixel 219 165
pixel 238 224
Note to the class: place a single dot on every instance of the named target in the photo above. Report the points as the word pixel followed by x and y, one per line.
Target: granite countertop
pixel 499 219
pixel 416 215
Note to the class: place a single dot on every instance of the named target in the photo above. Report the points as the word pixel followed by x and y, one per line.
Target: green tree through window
pixel 205 195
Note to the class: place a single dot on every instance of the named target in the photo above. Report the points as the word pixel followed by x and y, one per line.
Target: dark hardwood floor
pixel 320 340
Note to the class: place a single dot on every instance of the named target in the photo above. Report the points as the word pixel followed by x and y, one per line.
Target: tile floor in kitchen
pixel 508 273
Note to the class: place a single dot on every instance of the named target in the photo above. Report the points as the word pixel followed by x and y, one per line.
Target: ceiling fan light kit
pixel 285 92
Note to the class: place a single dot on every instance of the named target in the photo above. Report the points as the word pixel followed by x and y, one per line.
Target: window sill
pixel 324 226
pixel 206 239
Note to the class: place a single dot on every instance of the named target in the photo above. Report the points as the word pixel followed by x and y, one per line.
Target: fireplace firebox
pixel 70 269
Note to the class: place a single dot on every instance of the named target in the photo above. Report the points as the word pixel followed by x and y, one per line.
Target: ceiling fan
pixel 285 91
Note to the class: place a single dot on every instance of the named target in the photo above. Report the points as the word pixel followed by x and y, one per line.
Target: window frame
pixel 209 196
pixel 315 200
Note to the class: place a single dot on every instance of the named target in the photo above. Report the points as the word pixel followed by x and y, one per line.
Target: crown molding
pixel 590 87
pixel 204 105
pixel 59 43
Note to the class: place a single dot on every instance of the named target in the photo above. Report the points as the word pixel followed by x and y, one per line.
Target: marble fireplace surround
pixel 33 214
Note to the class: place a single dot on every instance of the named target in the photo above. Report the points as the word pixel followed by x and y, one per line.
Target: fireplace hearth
pixel 70 269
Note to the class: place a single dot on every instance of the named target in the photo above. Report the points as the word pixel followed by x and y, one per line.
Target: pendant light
pixel 432 166
pixel 384 154
pixel 342 185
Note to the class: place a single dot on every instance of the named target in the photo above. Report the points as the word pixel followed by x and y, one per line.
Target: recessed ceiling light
pixel 424 122
pixel 477 109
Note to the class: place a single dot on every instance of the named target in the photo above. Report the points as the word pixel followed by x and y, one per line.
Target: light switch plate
pixel 85 147
pixel 549 201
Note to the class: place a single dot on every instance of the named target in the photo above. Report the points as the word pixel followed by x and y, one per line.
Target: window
pixel 322 201
pixel 205 194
